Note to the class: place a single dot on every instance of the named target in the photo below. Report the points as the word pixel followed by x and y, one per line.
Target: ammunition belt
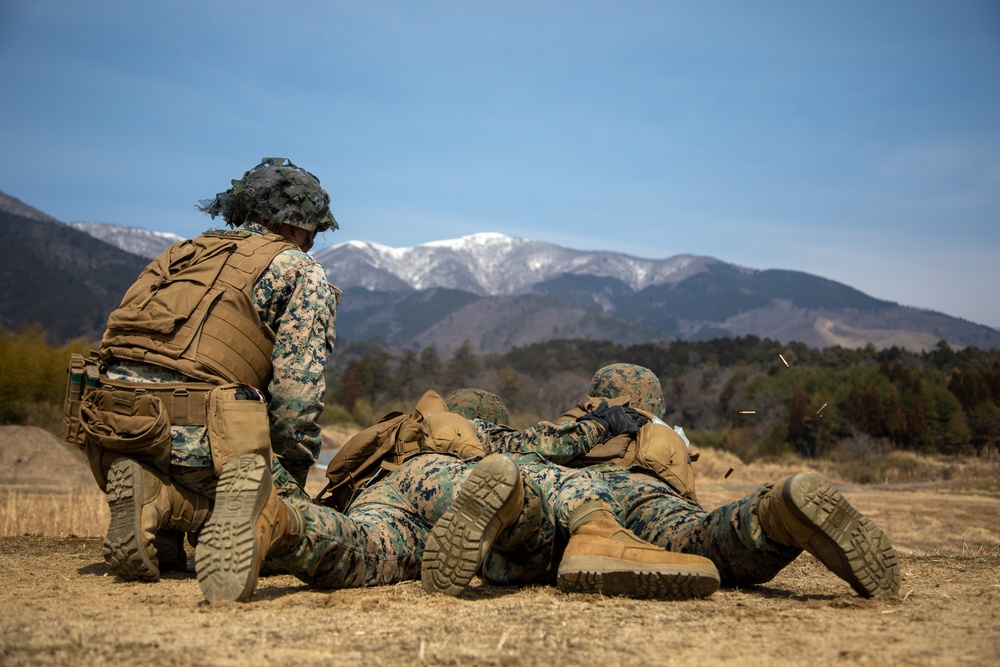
pixel 186 403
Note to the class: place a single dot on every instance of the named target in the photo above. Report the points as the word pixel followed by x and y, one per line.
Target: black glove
pixel 615 419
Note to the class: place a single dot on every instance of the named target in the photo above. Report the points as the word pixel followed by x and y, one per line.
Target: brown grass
pixel 77 512
pixel 721 477
pixel 61 609
pixel 891 467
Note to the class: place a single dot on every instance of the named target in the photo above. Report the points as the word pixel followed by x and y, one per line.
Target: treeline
pixel 33 381
pixel 756 397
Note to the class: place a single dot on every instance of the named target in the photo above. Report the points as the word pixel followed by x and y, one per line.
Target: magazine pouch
pixel 237 424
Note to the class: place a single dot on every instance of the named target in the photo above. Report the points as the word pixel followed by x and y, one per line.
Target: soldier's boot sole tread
pixel 122 548
pixel 611 576
pixel 454 549
pixel 847 542
pixel 226 554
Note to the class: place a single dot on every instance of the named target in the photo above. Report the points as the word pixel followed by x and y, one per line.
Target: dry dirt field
pixel 61 607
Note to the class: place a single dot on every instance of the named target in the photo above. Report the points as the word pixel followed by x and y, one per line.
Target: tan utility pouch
pixel 451 433
pixel 237 424
pixel 82 376
pixel 123 423
pixel 663 450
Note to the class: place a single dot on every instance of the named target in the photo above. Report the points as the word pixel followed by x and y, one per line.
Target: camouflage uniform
pixel 651 508
pixel 528 551
pixel 380 539
pixel 730 536
pixel 295 300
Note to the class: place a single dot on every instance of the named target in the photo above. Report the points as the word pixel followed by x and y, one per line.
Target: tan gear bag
pixel 451 433
pixel 377 450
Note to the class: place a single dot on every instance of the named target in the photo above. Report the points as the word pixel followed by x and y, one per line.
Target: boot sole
pixel 226 555
pixel 122 548
pixel 461 538
pixel 610 576
pixel 846 541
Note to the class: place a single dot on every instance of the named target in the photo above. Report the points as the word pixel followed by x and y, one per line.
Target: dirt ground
pixel 60 606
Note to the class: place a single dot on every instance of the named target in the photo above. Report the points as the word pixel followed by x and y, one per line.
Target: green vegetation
pixel 757 398
pixel 33 387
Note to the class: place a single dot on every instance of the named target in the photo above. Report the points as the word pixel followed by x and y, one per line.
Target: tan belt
pixel 186 403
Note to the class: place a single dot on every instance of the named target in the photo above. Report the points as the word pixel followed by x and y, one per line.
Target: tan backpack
pixel 377 450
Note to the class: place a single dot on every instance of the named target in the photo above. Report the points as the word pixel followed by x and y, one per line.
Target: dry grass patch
pixel 76 512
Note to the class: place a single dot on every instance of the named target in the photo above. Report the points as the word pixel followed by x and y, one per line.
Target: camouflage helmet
pixel 274 192
pixel 637 382
pixel 477 404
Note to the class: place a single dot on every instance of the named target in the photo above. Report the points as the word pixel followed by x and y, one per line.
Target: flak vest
pixel 191 310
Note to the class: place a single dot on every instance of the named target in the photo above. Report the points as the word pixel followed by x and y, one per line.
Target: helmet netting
pixel 274 192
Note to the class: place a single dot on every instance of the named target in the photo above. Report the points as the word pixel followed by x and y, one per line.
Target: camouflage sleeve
pixel 296 301
pixel 559 443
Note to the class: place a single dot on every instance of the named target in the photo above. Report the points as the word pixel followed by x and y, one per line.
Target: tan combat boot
pixel 603 557
pixel 249 522
pixel 490 502
pixel 806 512
pixel 145 509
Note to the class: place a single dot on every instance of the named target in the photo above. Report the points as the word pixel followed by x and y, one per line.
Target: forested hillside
pixel 755 397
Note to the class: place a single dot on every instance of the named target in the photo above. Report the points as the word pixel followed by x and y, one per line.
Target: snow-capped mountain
pixel 135 240
pixel 489 289
pixel 492 264
pixel 497 292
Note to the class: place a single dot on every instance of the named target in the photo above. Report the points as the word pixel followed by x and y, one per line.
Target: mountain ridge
pixel 610 295
pixel 137 241
pixel 489 289
pixel 493 264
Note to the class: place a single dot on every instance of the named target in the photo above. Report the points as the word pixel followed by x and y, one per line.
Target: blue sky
pixel 859 141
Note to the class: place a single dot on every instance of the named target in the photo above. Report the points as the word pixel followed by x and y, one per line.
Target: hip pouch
pixel 237 424
pixel 119 423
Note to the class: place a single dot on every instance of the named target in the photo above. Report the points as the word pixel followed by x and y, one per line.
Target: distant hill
pixel 497 292
pixel 137 241
pixel 59 278
pixel 493 290
pixel 19 208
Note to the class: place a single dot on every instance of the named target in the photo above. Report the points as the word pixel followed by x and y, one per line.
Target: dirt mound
pixel 33 458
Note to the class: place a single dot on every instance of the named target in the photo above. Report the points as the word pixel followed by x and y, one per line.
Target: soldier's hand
pixel 615 419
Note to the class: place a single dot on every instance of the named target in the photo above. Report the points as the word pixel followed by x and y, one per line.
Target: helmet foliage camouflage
pixel 477 404
pixel 274 192
pixel 637 382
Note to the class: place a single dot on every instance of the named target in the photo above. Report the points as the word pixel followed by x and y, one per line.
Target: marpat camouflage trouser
pixel 729 536
pixel 380 539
